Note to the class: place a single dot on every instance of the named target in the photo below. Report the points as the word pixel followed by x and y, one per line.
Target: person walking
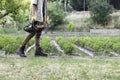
pixel 38 14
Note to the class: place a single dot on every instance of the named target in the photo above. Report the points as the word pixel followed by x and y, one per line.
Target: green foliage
pixel 15 9
pixel 13 4
pixel 116 22
pixel 94 2
pixel 73 40
pixel 10 44
pixel 10 5
pixel 45 44
pixel 100 13
pixel 7 30
pixel 55 13
pixel 82 41
pixel 59 68
pixel 68 47
pixel 70 26
pixel 48 47
pixel 98 44
pixel 21 20
pixel 116 47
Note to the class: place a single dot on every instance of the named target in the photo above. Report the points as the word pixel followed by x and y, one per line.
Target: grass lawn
pixel 60 68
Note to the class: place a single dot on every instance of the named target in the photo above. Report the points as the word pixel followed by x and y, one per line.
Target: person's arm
pixel 45 11
pixel 34 8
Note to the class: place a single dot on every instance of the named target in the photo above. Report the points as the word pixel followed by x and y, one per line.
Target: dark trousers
pixel 37 38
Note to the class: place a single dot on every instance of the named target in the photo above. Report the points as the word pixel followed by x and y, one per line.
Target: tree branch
pixel 9 12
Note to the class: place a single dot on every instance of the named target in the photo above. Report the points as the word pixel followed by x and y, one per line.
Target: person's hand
pixel 47 20
pixel 39 27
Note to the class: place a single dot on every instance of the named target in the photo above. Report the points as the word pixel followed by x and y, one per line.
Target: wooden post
pixel 84 5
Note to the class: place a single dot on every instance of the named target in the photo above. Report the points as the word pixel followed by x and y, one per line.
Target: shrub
pixel 100 12
pixel 82 41
pixel 116 47
pixel 11 47
pixel 93 2
pixel 117 23
pixel 45 44
pixel 55 13
pixel 73 40
pixel 21 20
pixel 48 47
pixel 70 26
pixel 68 47
pixel 10 43
pixel 2 41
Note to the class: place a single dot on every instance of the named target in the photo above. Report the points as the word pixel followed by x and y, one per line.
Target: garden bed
pixel 99 45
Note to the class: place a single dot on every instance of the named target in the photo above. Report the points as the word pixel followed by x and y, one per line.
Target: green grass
pixel 63 68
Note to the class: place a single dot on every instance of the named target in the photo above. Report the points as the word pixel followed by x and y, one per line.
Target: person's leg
pixel 37 39
pixel 20 51
pixel 27 39
pixel 38 51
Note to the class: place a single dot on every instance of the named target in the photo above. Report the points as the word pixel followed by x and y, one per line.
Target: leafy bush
pixel 10 43
pixel 82 41
pixel 21 20
pixel 73 40
pixel 98 44
pixel 70 26
pixel 2 41
pixel 45 44
pixel 116 47
pixel 55 13
pixel 117 22
pixel 68 47
pixel 100 12
pixel 11 47
pixel 93 2
pixel 48 47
